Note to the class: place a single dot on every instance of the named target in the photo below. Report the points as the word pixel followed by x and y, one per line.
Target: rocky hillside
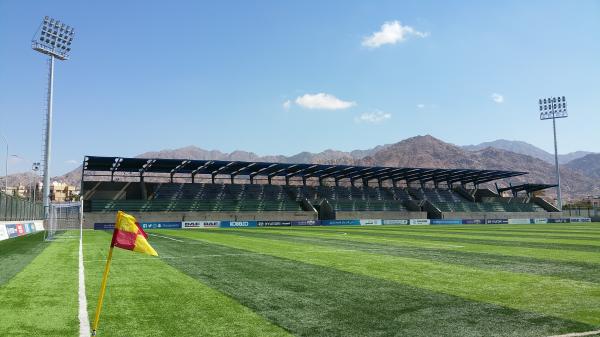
pixel 427 151
pixel 526 149
pixel 588 165
pixel 420 151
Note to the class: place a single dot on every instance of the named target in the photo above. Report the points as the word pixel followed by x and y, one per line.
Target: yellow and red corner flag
pixel 129 235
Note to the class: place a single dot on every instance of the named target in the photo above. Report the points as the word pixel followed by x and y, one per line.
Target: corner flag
pixel 127 235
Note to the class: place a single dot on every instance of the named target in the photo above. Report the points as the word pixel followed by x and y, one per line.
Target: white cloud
pixel 71 161
pixel 323 101
pixel 497 98
pixel 373 117
pixel 287 104
pixel 391 32
pixel 420 106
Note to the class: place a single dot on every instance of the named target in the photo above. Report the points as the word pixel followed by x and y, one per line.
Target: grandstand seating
pixel 269 198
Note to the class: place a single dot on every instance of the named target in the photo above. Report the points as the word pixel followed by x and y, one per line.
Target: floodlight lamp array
pixel 553 107
pixel 54 38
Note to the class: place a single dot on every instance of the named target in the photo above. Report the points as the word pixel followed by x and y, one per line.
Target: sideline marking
pixel 579 334
pixel 84 321
pixel 165 237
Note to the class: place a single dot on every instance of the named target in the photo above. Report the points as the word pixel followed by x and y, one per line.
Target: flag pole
pixel 102 289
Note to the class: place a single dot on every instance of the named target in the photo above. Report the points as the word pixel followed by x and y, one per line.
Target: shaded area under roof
pixel 144 167
pixel 526 187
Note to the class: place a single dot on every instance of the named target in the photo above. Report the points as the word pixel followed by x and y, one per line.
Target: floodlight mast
pixel 54 39
pixel 553 108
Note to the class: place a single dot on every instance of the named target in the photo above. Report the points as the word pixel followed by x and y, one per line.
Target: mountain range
pixel 521 147
pixel 580 175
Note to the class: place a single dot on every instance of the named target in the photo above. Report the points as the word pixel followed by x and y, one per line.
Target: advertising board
pixel 580 219
pixel 238 224
pixel 446 221
pixel 473 221
pixel 395 222
pixel 200 224
pixel 305 223
pixel 273 223
pixel 519 221
pixel 339 222
pixel 370 222
pixel 160 224
pixel 496 221
pixel 539 221
pixel 419 222
pixel 3 234
pixel 559 220
pixel 11 230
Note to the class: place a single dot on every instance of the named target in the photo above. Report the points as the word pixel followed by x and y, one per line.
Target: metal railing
pixel 576 211
pixel 15 209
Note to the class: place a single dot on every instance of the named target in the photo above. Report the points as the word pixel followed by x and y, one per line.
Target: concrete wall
pixel 89 218
pixel 380 215
pixel 501 215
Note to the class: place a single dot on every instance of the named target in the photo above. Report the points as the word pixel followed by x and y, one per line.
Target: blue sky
pixel 280 77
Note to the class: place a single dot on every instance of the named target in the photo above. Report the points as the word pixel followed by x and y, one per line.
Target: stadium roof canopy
pixel 142 167
pixel 528 188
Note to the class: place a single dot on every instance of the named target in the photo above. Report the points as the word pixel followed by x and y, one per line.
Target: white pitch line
pixel 84 321
pixel 165 237
pixel 579 334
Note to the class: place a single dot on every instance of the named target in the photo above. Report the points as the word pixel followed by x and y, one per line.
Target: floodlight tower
pixel 553 108
pixel 54 39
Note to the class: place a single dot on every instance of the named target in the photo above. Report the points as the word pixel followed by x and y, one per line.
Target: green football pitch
pixel 473 280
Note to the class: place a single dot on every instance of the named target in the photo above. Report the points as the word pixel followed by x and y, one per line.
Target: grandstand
pixel 181 189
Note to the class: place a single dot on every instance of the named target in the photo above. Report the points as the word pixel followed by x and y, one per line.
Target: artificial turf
pixel 474 280
pixel 41 299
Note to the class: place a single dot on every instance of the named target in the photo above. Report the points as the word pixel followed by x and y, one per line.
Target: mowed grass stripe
pixel 484 230
pixel 592 229
pixel 313 300
pixel 17 253
pixel 428 242
pixel 146 297
pixel 41 300
pixel 591 246
pixel 589 229
pixel 588 233
pixel 582 271
pixel 568 299
pixel 509 234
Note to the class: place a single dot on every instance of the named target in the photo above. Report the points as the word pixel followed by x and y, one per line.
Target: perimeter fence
pixel 14 208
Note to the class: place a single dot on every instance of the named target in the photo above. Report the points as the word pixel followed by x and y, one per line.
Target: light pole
pixel 54 39
pixel 553 108
pixel 35 167
pixel 5 166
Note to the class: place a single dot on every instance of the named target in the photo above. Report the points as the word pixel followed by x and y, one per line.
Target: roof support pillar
pixel 337 182
pixel 212 176
pixel 365 182
pixel 304 180
pixel 287 180
pixel 269 179
pixel 232 179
